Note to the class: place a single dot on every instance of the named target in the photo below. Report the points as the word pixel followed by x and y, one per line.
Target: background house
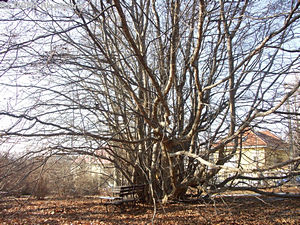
pixel 260 149
pixel 257 150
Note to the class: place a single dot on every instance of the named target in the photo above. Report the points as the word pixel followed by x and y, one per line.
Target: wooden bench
pixel 124 196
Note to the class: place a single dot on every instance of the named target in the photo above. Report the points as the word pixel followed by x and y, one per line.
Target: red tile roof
pixel 261 138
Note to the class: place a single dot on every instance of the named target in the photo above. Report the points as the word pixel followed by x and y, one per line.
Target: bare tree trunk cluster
pixel 160 87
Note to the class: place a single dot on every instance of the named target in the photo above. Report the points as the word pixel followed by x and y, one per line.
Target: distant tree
pixel 16 175
pixel 292 117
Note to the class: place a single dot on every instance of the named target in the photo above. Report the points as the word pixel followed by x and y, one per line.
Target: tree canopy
pixel 161 86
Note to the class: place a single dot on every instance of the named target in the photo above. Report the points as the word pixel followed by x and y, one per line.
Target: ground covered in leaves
pixel 220 210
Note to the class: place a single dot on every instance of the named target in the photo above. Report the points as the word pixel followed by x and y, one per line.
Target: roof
pixel 261 138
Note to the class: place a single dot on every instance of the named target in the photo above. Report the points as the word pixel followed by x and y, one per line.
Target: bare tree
pixel 291 115
pixel 161 87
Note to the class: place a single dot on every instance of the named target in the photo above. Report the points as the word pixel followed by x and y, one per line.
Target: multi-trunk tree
pixel 160 86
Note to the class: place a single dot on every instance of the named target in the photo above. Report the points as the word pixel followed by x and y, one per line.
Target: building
pixel 257 150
